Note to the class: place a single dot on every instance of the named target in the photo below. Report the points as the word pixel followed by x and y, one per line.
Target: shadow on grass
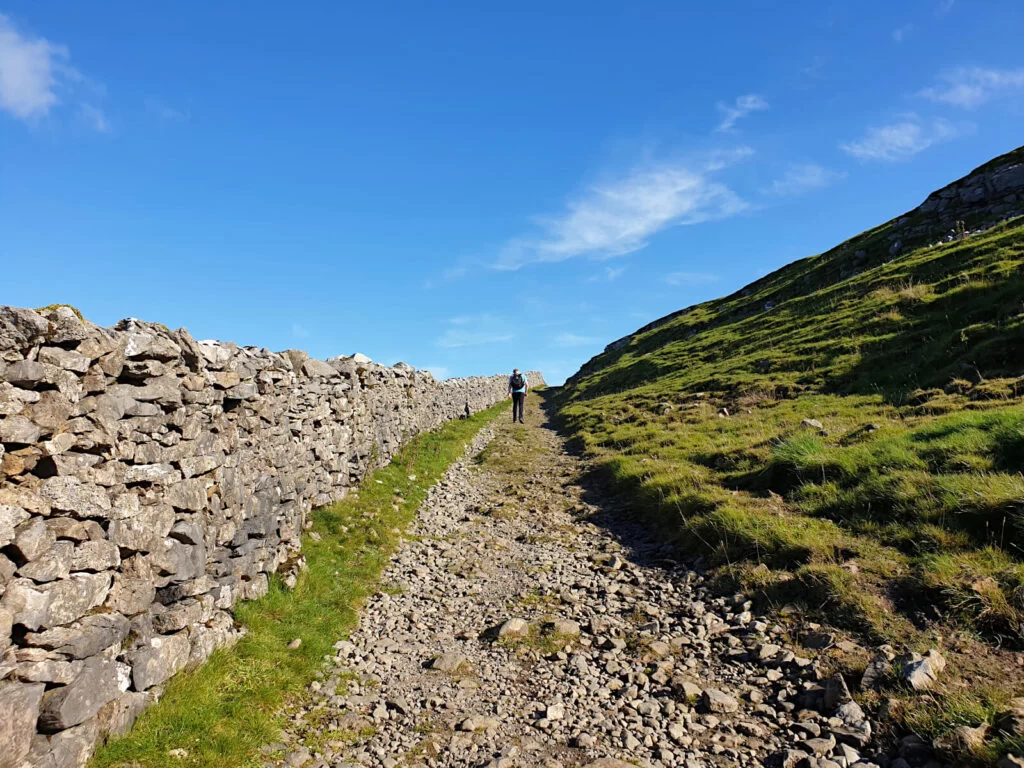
pixel 645 544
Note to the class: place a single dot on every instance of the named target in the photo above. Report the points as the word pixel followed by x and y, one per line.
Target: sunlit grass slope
pixel 912 487
pixel 845 435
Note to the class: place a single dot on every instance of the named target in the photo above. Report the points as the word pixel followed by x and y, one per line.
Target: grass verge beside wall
pixel 222 713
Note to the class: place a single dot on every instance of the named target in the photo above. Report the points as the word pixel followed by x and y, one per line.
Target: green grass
pixel 923 433
pixel 935 714
pixel 907 508
pixel 222 713
pixel 54 307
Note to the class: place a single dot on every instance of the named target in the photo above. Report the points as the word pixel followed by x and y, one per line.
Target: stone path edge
pixel 178 732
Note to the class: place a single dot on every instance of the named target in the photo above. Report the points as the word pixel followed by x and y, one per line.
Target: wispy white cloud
pixel 574 340
pixel 945 6
pixel 970 87
pixel 607 275
pixel 164 112
pixel 35 74
pixel 455 337
pixel 620 215
pixel 723 158
pixel 743 106
pixel 29 71
pixel 475 330
pixel 299 331
pixel 95 118
pixel 447 276
pixel 902 140
pixel 690 278
pixel 464 320
pixel 899 35
pixel 815 69
pixel 803 178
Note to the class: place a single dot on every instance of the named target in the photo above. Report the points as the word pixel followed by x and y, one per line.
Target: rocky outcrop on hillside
pixel 990 194
pixel 981 199
pixel 148 482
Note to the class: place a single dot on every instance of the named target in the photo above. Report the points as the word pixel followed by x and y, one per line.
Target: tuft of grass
pixel 53 307
pixel 538 642
pixel 982 588
pixel 935 714
pixel 222 713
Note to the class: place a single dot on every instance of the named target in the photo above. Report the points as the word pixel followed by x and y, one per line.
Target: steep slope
pixel 846 433
pixel 985 201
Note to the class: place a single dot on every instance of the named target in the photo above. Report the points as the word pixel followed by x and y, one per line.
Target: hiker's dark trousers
pixel 518 400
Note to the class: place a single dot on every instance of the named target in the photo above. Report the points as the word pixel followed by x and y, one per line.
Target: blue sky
pixel 470 186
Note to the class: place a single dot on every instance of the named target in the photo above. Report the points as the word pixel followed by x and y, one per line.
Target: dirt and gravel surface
pixel 526 621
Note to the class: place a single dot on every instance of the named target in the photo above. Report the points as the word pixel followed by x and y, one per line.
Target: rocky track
pixel 521 625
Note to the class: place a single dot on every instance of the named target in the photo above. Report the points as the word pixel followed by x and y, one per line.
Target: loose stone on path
pixel 524 633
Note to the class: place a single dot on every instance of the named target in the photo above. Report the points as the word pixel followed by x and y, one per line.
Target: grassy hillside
pixel 847 434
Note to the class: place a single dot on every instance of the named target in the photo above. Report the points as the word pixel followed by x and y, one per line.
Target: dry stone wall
pixel 148 482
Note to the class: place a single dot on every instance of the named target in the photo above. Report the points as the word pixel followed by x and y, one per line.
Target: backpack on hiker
pixel 517 381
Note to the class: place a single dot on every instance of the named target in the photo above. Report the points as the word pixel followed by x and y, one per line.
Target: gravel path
pixel 514 628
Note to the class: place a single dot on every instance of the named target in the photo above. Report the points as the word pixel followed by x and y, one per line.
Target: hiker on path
pixel 517 386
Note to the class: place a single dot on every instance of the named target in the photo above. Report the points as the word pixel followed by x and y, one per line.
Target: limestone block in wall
pixel 177 616
pixel 118 716
pixel 256 588
pixel 82 639
pixel 51 565
pixel 6 627
pixel 59 444
pixel 19 711
pixel 174 561
pixel 68 494
pixel 218 631
pixel 49 671
pixel 188 494
pixel 75 530
pixel 31 540
pixel 7 571
pixel 318 368
pixel 65 749
pixel 134 588
pixel 21 328
pixel 65 325
pixel 19 430
pixel 41 606
pixel 29 374
pixel 138 528
pixel 158 660
pixel 73 704
pixel 95 556
pixel 172 593
pixel 195 465
pixel 146 343
pixel 65 359
pixel 75 464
